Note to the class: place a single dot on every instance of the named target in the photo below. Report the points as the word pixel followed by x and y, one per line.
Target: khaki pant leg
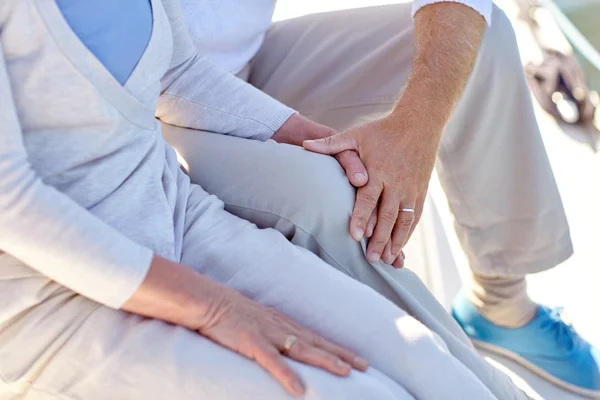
pixel 347 67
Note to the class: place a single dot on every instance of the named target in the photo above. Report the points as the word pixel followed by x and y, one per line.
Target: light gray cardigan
pixel 88 188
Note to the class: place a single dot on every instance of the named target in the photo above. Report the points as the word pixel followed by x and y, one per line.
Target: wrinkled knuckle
pixel 406 223
pixel 369 199
pixel 396 248
pixel 361 221
pixel 348 154
pixel 388 216
pixel 343 157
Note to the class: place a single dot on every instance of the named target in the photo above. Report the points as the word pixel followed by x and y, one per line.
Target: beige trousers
pixel 348 67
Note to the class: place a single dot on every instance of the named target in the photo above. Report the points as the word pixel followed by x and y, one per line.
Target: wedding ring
pixel 411 210
pixel 289 342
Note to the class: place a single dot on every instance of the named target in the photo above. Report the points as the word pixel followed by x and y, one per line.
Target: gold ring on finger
pixel 289 342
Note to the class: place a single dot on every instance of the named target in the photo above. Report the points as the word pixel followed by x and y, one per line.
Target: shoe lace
pixel 563 331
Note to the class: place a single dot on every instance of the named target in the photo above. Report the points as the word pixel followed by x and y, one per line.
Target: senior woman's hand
pixel 263 335
pixel 298 129
pixel 175 293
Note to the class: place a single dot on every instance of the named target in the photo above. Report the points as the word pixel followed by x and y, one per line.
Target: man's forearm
pixel 399 151
pixel 448 36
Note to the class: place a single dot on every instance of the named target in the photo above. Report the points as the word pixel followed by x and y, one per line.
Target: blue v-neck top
pixel 115 31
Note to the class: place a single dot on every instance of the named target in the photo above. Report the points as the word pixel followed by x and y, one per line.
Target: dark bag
pixel 559 82
pixel 559 85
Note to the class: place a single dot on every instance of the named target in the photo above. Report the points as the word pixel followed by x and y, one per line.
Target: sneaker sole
pixel 537 370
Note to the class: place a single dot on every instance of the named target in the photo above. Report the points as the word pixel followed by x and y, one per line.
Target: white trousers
pixel 68 347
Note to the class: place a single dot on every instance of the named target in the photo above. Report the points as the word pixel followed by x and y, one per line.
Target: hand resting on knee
pixel 177 294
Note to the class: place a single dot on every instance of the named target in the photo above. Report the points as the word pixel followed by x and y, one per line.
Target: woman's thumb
pixel 330 145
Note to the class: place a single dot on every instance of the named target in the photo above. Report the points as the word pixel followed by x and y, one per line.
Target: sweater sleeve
pixel 483 7
pixel 51 233
pixel 197 94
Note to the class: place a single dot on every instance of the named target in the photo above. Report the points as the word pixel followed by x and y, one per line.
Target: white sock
pixel 503 301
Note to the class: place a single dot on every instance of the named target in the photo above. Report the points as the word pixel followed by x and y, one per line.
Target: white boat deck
pixel 434 251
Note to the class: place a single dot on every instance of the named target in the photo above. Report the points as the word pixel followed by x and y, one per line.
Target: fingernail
pixel 384 258
pixel 359 175
pixel 298 387
pixel 373 257
pixel 342 365
pixel 361 363
pixel 357 234
pixel 389 257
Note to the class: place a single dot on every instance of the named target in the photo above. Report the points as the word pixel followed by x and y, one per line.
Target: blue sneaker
pixel 547 346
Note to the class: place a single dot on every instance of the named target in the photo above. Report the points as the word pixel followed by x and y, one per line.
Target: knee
pixel 499 53
pixel 325 196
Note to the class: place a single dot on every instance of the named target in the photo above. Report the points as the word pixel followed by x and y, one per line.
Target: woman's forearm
pixel 199 95
pixel 175 293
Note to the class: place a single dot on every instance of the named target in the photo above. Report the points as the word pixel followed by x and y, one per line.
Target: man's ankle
pixel 502 301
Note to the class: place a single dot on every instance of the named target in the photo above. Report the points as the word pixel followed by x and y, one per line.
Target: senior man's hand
pixel 399 151
pixel 299 129
pixel 399 157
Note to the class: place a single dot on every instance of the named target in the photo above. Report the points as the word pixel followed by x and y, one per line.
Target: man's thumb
pixel 330 145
